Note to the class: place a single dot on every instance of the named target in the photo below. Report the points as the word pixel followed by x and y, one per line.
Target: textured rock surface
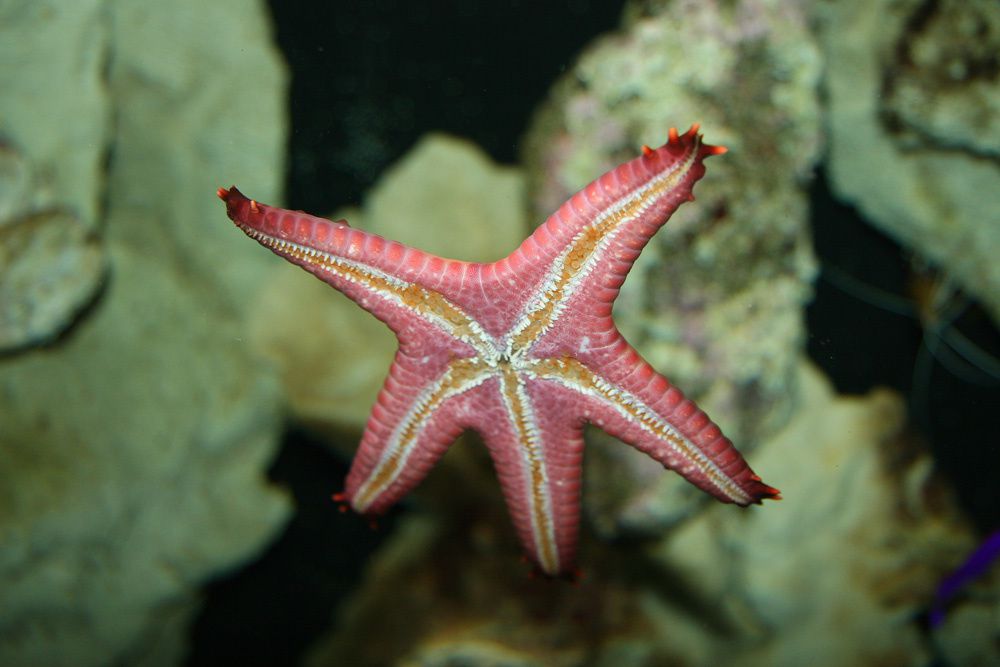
pixel 969 633
pixel 131 469
pixel 715 302
pixel 914 130
pixel 132 450
pixel 15 182
pixel 446 197
pixel 841 570
pixel 50 266
pixel 836 572
pixel 55 110
pixel 51 261
pixel 211 110
pixel 942 83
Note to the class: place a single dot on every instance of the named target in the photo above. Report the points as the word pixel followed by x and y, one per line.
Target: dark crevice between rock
pixel 861 343
pixel 369 79
pixel 270 611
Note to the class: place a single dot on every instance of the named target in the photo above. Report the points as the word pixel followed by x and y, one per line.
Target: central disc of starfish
pixel 522 350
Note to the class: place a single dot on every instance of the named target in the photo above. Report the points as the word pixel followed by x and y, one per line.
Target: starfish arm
pixel 411 425
pixel 586 248
pixel 396 283
pixel 538 456
pixel 642 408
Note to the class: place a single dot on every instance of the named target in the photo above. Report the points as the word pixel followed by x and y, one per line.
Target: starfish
pixel 523 350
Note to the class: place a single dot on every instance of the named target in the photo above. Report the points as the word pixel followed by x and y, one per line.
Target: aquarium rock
pixel 133 446
pixel 716 301
pixel 914 131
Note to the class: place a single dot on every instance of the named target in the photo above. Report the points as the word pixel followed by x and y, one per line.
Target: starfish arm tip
pixel 760 491
pixel 707 150
pixel 765 492
pixel 229 194
pixel 693 134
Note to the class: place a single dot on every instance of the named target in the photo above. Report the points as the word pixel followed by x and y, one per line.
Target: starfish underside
pixel 522 350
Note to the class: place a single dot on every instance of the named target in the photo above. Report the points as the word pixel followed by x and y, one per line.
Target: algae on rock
pixel 914 130
pixel 716 301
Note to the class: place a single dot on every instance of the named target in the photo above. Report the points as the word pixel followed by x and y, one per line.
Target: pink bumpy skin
pixel 522 350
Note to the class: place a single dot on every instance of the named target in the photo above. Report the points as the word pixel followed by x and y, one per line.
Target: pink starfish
pixel 522 350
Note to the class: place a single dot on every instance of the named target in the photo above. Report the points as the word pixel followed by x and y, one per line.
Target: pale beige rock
pixel 55 110
pixel 50 267
pixel 54 120
pixel 448 198
pixel 914 136
pixel 200 104
pixel 131 469
pixel 840 568
pixel 445 197
pixel 15 184
pixel 133 449
pixel 942 82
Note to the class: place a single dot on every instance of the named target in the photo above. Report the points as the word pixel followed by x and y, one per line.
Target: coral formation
pixel 716 301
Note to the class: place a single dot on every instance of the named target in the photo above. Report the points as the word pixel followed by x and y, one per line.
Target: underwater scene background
pixel 178 405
